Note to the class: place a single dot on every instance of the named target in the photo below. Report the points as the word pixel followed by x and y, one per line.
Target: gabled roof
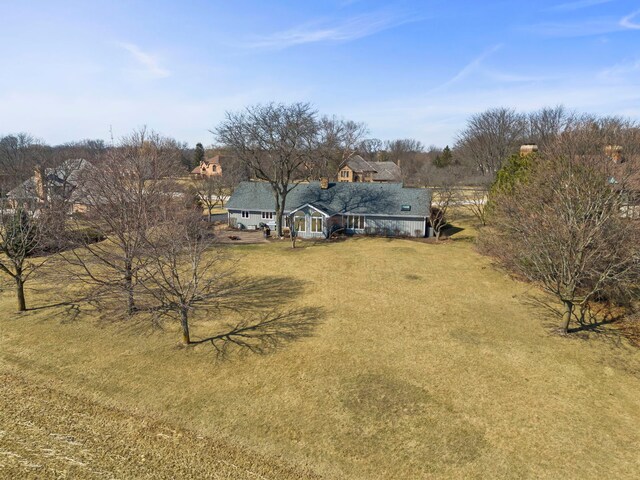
pixel 67 173
pixel 387 171
pixel 359 164
pixel 382 171
pixel 340 198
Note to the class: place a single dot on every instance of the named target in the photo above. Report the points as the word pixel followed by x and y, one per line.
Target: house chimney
pixel 39 183
pixel 324 183
pixel 614 152
pixel 528 149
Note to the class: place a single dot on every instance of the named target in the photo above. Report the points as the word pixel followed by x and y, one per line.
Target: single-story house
pixel 317 209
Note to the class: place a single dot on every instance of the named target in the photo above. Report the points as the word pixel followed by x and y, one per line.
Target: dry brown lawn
pixel 427 364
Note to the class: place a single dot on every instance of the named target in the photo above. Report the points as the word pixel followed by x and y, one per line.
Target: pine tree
pixel 445 159
pixel 198 155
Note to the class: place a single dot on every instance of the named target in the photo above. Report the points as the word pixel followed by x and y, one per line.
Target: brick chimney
pixel 528 149
pixel 39 183
pixel 324 183
pixel 614 152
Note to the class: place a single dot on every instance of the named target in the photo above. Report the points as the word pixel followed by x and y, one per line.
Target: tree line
pixel 562 217
pixel 567 218
pixel 129 239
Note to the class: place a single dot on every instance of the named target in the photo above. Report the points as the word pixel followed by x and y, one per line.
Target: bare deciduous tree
pixel 182 272
pixel 187 276
pixel 443 199
pixel 562 228
pixel 122 197
pixel 277 142
pixel 210 191
pixel 490 137
pixel 475 201
pixel 338 140
pixel 370 149
pixel 20 242
pixel 547 124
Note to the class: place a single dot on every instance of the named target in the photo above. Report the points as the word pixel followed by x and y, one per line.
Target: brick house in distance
pixel 357 169
pixel 211 167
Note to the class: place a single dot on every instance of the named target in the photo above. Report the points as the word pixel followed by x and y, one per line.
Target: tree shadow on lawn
pixel 252 314
pixel 263 332
pixel 600 322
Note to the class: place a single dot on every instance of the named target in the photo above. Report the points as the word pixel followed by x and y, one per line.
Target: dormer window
pixel 405 208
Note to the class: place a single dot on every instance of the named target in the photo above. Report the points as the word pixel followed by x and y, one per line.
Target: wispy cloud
pixel 578 5
pixel 620 71
pixel 149 62
pixel 353 28
pixel 627 22
pixel 584 28
pixel 470 67
pixel 587 27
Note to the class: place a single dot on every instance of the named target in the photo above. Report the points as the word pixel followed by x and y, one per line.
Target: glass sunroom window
pixel 316 222
pixel 354 222
pixel 299 222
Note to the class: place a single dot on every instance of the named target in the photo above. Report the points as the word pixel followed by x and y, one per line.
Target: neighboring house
pixel 625 175
pixel 357 169
pixel 210 167
pixel 60 183
pixel 317 209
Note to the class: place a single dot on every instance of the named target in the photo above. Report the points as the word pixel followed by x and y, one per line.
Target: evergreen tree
pixel 198 155
pixel 445 159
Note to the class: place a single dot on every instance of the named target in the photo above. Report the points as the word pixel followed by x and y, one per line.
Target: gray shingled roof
pixel 386 171
pixel 66 173
pixel 359 164
pixel 339 198
pixel 382 171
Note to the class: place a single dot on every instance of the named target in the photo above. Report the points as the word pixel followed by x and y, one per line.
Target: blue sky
pixel 72 69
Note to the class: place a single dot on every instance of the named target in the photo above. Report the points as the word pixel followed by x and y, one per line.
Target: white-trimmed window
pixel 354 222
pixel 267 215
pixel 245 214
pixel 316 222
pixel 300 222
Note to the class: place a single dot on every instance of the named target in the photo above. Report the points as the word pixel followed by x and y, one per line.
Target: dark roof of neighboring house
pixel 386 171
pixel 359 164
pixel 382 171
pixel 66 173
pixel 340 198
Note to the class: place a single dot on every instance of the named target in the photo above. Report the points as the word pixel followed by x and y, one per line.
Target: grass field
pixel 427 363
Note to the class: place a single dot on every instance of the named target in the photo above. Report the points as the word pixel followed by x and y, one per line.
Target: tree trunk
pixel 566 317
pixel 281 203
pixel 184 321
pixel 128 285
pixel 209 216
pixel 22 304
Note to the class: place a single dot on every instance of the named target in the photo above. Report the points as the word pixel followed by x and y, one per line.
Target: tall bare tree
pixel 338 140
pixel 490 137
pixel 547 124
pixel 562 226
pixel 183 273
pixel 370 148
pixel 189 276
pixel 122 197
pixel 277 142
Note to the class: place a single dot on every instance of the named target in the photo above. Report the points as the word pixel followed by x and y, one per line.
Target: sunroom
pixel 309 221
